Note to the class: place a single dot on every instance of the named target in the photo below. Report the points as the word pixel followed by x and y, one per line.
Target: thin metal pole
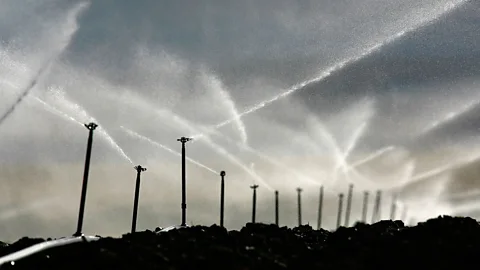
pixel 139 170
pixel 299 201
pixel 276 207
pixel 254 204
pixel 184 140
pixel 222 197
pixel 376 215
pixel 320 209
pixel 349 205
pixel 340 208
pixel 365 206
pixel 91 127
pixel 393 208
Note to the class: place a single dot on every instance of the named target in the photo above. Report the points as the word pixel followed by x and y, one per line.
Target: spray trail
pixel 73 27
pixel 135 134
pixel 185 124
pixel 342 64
pixel 60 97
pixel 450 117
pixel 265 158
pixel 351 146
pixel 373 156
pixel 228 101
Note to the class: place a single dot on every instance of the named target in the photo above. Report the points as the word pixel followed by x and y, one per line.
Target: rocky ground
pixel 441 243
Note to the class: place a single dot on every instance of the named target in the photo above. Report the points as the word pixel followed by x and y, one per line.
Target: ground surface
pixel 442 243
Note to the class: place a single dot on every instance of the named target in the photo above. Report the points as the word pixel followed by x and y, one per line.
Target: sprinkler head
pixel 299 190
pixel 222 173
pixel 91 126
pixel 140 168
pixel 184 139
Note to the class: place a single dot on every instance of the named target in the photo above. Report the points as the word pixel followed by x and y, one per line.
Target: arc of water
pixel 452 116
pixel 73 29
pixel 185 124
pixel 227 99
pixel 372 156
pixel 344 63
pixel 339 155
pixel 139 136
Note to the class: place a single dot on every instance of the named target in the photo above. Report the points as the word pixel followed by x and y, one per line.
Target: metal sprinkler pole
pixel 222 197
pixel 365 206
pixel 393 207
pixel 254 204
pixel 320 209
pixel 340 208
pixel 349 205
pixel 276 207
pixel 376 210
pixel 139 170
pixel 184 140
pixel 299 201
pixel 91 127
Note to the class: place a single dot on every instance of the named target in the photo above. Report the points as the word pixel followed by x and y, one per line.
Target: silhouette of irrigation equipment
pixel 79 236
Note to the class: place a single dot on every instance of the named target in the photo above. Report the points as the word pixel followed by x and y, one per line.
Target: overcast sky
pixel 166 69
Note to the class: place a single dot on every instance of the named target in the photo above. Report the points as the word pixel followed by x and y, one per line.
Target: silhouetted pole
pixel 91 127
pixel 299 202
pixel 376 208
pixel 139 170
pixel 276 207
pixel 254 203
pixel 349 205
pixel 393 208
pixel 340 208
pixel 320 209
pixel 184 140
pixel 222 197
pixel 365 206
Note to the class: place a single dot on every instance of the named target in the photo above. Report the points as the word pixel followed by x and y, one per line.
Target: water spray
pixel 222 197
pixel 340 208
pixel 135 134
pixel 349 205
pixel 320 209
pixel 365 206
pixel 393 207
pixel 376 215
pixel 299 202
pixel 342 64
pixel 276 208
pixel 139 170
pixel 91 127
pixel 254 202
pixel 184 140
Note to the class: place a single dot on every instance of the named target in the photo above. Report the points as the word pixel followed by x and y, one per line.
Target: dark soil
pixel 441 243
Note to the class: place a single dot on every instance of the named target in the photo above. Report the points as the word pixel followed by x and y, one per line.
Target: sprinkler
pixel 222 197
pixel 276 207
pixel 91 127
pixel 320 209
pixel 365 206
pixel 299 201
pixel 254 203
pixel 340 206
pixel 393 207
pixel 184 140
pixel 139 170
pixel 349 205
pixel 376 215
